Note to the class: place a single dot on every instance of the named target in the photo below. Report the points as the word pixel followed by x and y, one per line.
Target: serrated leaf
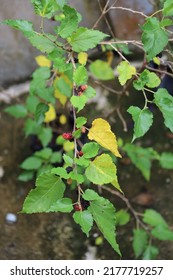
pixel 63 205
pixel 43 61
pixel 41 42
pixel 56 157
pixel 143 120
pixel 80 121
pixel 90 195
pixel 100 132
pixel 90 150
pixel 68 146
pixel 166 160
pixel 68 160
pixel 103 213
pixel 154 37
pixel 41 109
pixel 102 70
pixel 162 233
pixel 84 219
pixel 49 188
pixel 61 172
pixel 168 8
pixel 23 25
pixel 17 111
pixel 50 115
pixel 31 127
pixel 125 71
pixel 122 217
pixel 70 23
pixel 154 218
pixel 38 83
pixel 150 253
pixel 101 170
pixel 147 78
pixel 141 158
pixel 63 86
pixel 77 177
pixel 78 102
pixel 45 135
pixel 82 58
pixel 31 103
pixel 90 92
pixel 82 161
pixel 80 75
pixel 140 239
pixel 84 39
pixel 44 8
pixel 31 163
pixel 164 102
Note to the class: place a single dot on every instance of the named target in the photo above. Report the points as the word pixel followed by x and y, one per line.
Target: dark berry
pixel 80 154
pixel 84 203
pixel 77 207
pixel 69 169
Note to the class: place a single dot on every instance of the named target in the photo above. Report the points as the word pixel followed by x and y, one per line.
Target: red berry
pixel 80 153
pixel 80 93
pixel 83 87
pixel 67 135
pixel 77 207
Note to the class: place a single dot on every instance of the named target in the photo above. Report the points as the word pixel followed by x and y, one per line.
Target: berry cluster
pixel 67 136
pixel 79 90
pixel 83 205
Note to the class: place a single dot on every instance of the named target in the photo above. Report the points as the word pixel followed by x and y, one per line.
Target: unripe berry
pixel 83 87
pixel 67 136
pixel 80 154
pixel 77 207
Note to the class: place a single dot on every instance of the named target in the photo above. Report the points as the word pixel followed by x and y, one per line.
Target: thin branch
pixel 159 71
pixel 122 119
pixel 128 10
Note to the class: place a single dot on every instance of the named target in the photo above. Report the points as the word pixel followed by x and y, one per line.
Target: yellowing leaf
pixel 62 98
pixel 62 119
pixel 50 114
pixel 102 134
pixel 43 61
pixel 68 146
pixel 82 58
pixel 126 71
pixel 156 60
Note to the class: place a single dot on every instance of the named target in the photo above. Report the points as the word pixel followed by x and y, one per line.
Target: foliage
pixel 61 79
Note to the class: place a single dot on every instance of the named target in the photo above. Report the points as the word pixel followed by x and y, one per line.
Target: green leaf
pixel 78 102
pixel 125 71
pixel 166 22
pixel 90 92
pixel 45 153
pixel 56 157
pixel 17 111
pixel 154 37
pixel 164 102
pixel 122 217
pixel 26 175
pixel 103 213
pixel 68 160
pixel 31 163
pixel 41 42
pixel 80 121
pixel 44 8
pixel 101 170
pixel 147 78
pixel 31 127
pixel 150 253
pixel 168 8
pixel 166 160
pixel 63 87
pixel 153 218
pixel 61 172
pixel 23 25
pixel 70 23
pixel 31 103
pixel 80 75
pixel 38 82
pixel 45 135
pixel 77 177
pixel 102 70
pixel 162 233
pixel 49 188
pixel 141 158
pixel 84 39
pixel 140 239
pixel 84 219
pixel 90 149
pixel 90 195
pixel 63 205
pixel 143 120
pixel 41 109
pixel 82 161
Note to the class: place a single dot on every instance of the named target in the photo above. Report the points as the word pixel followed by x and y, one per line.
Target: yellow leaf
pixel 156 60
pixel 62 98
pixel 43 61
pixel 102 134
pixel 82 58
pixel 50 114
pixel 62 119
pixel 68 146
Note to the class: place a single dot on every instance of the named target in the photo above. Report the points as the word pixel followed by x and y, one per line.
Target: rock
pixel 16 53
pixel 1 172
pixel 11 218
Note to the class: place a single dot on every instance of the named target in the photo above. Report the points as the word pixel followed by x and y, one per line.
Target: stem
pixel 128 10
